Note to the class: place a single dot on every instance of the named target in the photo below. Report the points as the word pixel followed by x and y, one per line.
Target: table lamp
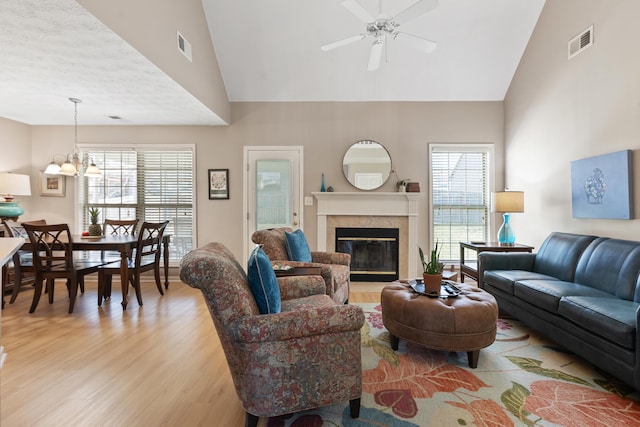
pixel 507 202
pixel 13 184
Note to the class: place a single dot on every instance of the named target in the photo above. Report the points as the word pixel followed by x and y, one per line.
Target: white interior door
pixel 273 190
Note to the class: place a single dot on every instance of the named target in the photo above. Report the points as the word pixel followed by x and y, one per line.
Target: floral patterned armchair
pixel 304 357
pixel 335 266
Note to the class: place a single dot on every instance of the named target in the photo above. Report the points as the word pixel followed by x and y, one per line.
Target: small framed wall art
pixel 52 185
pixel 218 184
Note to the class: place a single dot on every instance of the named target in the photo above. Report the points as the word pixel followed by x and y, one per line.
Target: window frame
pixel 80 187
pixel 487 148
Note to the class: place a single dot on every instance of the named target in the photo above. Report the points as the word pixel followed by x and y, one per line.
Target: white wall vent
pixel 184 46
pixel 580 42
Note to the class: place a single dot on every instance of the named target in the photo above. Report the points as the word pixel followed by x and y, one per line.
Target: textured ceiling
pixel 52 50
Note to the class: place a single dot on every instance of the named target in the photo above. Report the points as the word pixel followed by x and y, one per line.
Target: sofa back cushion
pixel 559 254
pixel 611 265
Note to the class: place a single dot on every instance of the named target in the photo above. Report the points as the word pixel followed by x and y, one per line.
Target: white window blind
pixel 151 184
pixel 460 196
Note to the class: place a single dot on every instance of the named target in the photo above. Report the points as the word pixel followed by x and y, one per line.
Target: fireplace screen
pixel 374 252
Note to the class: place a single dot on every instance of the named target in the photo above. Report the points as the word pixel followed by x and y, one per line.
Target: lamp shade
pixel 14 184
pixel 508 201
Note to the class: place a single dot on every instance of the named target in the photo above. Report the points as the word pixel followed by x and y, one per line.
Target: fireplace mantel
pixel 394 204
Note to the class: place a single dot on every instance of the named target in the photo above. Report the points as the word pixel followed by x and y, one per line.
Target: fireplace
pixel 369 210
pixel 374 252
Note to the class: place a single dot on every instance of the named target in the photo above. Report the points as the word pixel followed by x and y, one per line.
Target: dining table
pixel 124 245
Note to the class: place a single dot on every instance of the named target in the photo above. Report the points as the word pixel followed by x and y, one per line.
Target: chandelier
pixel 73 161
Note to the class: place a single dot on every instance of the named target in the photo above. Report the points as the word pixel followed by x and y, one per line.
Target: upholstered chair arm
pixel 292 287
pixel 331 258
pixel 297 324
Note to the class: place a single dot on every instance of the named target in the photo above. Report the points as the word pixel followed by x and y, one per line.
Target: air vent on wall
pixel 184 46
pixel 580 42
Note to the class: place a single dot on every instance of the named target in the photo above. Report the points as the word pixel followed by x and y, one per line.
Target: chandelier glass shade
pixel 73 162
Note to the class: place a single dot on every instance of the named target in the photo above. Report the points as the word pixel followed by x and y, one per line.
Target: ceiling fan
pixel 381 28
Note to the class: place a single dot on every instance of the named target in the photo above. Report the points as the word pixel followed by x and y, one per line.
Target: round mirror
pixel 367 165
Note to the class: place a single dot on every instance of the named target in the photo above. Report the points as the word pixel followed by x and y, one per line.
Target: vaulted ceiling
pixel 267 51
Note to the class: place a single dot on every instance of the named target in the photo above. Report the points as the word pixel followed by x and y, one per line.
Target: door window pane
pixel 273 193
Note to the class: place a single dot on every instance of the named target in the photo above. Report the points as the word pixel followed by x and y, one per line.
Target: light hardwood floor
pixel 156 365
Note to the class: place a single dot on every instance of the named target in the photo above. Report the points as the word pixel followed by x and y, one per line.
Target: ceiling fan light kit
pixel 383 28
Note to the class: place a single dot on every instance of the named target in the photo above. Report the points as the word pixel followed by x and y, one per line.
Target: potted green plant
pixel 94 229
pixel 431 269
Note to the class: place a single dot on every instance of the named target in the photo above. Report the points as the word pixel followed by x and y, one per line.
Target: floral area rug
pixel 521 380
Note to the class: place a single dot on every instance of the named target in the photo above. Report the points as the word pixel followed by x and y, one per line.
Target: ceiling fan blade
pixel 343 42
pixel 360 12
pixel 376 54
pixel 415 10
pixel 423 45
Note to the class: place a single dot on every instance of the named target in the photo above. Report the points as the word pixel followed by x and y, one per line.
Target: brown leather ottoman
pixel 465 323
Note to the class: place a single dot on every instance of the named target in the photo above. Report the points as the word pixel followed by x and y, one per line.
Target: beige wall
pixel 560 110
pixel 325 130
pixel 15 145
pixel 150 27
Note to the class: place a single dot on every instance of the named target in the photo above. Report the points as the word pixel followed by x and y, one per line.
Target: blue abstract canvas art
pixel 602 186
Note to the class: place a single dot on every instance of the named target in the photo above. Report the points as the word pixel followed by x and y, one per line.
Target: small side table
pixel 299 271
pixel 470 268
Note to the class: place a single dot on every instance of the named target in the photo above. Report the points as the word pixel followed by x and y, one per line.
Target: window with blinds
pixel 151 184
pixel 459 196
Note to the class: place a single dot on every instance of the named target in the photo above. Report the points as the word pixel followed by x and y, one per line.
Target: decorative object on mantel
pixel 72 164
pixel 330 189
pixel 507 202
pixel 402 185
pixel 322 183
pixel 413 187
pixel 13 184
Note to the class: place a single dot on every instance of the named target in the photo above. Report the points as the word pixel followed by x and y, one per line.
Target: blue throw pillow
pixel 263 282
pixel 297 246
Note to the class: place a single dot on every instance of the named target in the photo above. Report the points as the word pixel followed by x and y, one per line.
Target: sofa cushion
pixel 504 279
pixel 263 282
pixel 297 246
pixel 559 254
pixel 612 318
pixel 546 294
pixel 611 265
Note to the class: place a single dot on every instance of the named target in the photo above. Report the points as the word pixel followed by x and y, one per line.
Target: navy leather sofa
pixel 581 291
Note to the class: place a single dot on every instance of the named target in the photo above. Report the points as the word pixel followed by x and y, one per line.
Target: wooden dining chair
pixel 20 272
pixel 117 227
pixel 147 257
pixel 52 249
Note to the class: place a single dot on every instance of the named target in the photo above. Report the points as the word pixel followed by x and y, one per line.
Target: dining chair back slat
pixel 120 226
